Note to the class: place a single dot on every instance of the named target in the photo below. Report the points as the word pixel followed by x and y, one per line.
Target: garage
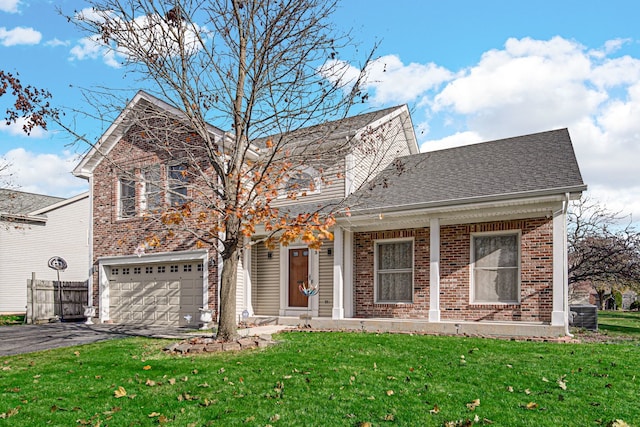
pixel 165 293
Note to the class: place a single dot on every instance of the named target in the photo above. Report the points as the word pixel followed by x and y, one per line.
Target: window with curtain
pixel 127 198
pixel 496 270
pixel 394 271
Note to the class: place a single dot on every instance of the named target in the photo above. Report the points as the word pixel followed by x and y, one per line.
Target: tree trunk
pixel 227 327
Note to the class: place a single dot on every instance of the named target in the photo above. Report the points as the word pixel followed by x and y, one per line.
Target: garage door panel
pixel 168 294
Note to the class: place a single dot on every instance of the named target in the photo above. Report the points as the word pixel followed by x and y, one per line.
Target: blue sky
pixel 470 71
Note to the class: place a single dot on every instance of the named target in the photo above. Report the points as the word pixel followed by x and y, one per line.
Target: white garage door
pixel 158 294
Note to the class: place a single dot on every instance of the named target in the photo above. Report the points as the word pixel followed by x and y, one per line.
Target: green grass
pixel 11 319
pixel 625 323
pixel 326 379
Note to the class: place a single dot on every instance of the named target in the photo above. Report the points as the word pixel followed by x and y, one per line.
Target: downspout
pixel 565 267
pixel 90 243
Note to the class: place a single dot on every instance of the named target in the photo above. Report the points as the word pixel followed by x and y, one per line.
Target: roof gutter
pixel 439 205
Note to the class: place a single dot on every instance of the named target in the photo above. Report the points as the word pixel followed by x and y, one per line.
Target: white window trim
pixel 375 268
pixel 472 266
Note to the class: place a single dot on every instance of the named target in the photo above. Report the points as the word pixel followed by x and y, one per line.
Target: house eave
pixel 470 210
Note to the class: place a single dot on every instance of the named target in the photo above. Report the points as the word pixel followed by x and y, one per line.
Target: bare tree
pixel 604 249
pixel 265 69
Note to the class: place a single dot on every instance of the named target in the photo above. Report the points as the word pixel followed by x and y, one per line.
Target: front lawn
pixel 326 379
pixel 625 323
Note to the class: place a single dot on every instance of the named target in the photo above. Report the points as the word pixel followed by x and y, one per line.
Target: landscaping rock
pixel 211 345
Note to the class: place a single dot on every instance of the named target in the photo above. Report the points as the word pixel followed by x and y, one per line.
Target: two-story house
pixel 466 240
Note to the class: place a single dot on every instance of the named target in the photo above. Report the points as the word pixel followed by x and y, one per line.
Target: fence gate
pixel 47 299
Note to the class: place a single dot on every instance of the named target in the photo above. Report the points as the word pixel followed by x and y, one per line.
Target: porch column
pixel 434 270
pixel 560 286
pixel 246 267
pixel 338 278
pixel 348 273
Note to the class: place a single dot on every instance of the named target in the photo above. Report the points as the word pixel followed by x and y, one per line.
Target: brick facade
pixel 113 236
pixel 536 273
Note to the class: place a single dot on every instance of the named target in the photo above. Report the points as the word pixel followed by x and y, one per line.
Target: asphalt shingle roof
pixel 505 168
pixel 21 203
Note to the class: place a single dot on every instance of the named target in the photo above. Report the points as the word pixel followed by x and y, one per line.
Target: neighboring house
pixel 34 228
pixel 464 240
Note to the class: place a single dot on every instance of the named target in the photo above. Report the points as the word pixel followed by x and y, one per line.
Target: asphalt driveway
pixel 21 339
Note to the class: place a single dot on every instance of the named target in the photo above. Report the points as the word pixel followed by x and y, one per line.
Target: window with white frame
pixel 300 181
pixel 127 198
pixel 495 265
pixel 177 184
pixel 394 271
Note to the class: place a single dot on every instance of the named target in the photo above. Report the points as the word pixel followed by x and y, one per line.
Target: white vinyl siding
pixel 366 163
pixel 495 264
pixel 331 188
pixel 26 249
pixel 394 271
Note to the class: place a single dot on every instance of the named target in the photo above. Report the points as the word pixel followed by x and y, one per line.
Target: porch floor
pixel 486 328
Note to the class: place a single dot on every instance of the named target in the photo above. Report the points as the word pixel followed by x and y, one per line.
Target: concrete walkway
pixel 29 338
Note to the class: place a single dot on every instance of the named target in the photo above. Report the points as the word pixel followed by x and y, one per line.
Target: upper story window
pixel 301 182
pixel 495 265
pixel 177 184
pixel 126 198
pixel 152 182
pixel 394 271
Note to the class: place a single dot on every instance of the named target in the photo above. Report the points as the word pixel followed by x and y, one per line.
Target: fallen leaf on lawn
pixel 153 414
pixel 112 411
pixel 120 392
pixel 287 377
pixel 435 409
pixel 221 371
pixel 391 377
pixel 389 392
pixel 194 372
pixel 375 366
pixel 10 413
pixel 14 390
pixel 510 389
pixel 473 405
pixel 172 381
pixel 532 405
pixel 185 379
pixel 205 385
pixel 150 383
pixel 146 367
pixel 389 417
pixel 617 423
pixel 162 419
pixel 249 419
pixel 545 380
pixel 77 353
pixel 509 366
pixel 274 418
pixel 527 391
pixel 364 424
pixel 371 398
pixel 562 384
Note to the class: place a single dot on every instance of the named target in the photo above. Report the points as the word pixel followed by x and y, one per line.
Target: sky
pixel 470 71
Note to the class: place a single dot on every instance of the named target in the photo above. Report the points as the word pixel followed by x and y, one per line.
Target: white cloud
pixel 456 140
pixel 19 35
pixel 44 173
pixel 395 82
pixel 16 129
pixel 56 43
pixel 10 6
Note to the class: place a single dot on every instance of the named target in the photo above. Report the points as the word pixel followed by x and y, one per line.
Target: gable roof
pixel 101 149
pixel 525 166
pixel 348 127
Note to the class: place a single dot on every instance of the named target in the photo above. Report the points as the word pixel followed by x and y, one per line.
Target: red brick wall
pixel 113 236
pixel 364 292
pixel 455 242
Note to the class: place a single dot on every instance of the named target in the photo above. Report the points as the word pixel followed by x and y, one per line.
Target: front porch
pixel 419 326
